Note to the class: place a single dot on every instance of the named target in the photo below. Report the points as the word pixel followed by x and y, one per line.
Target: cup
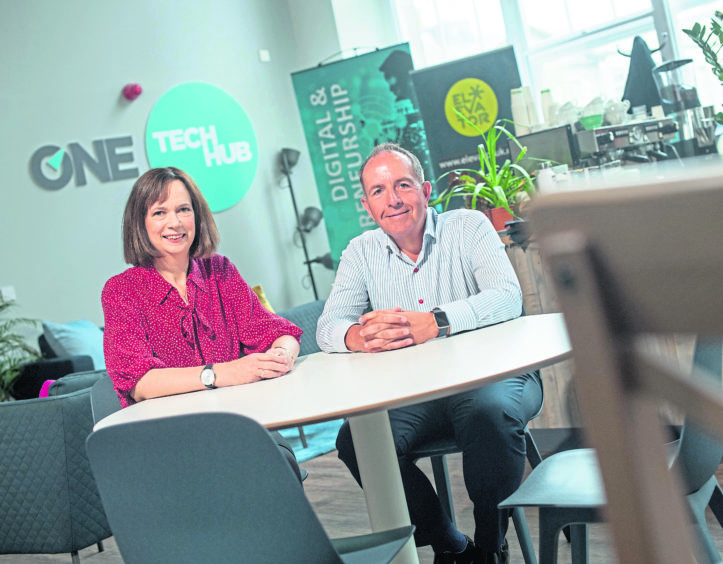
pixel 616 111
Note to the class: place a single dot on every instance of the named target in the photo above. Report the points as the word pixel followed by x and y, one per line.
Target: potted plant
pixel 14 350
pixel 710 43
pixel 496 188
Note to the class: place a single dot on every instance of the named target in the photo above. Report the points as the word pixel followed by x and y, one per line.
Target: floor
pixel 341 508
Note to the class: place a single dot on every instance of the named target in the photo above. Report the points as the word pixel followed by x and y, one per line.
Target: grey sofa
pixel 49 502
pixel 49 367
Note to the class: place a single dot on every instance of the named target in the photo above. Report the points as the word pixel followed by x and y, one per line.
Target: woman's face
pixel 170 224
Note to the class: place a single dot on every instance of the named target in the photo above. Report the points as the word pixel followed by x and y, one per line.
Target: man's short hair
pixel 150 188
pixel 392 148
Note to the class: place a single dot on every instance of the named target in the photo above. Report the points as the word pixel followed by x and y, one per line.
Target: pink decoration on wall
pixel 132 91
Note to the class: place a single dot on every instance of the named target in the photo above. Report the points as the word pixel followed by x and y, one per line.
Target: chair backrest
pixel 643 257
pixel 49 502
pixel 306 316
pixel 209 487
pixel 699 454
pixel 103 398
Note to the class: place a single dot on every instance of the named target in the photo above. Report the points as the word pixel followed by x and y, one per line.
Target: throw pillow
pixel 76 337
pixel 259 291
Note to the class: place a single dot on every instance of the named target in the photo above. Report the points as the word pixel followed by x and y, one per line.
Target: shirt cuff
pixel 338 337
pixel 460 315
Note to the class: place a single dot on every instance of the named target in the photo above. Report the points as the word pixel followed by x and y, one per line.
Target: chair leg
pixel 534 458
pixel 441 483
pixel 579 544
pixel 533 453
pixel 523 535
pixel 698 501
pixel 100 546
pixel 302 436
pixel 706 542
pixel 716 504
pixel 74 557
pixel 552 520
pixel 549 530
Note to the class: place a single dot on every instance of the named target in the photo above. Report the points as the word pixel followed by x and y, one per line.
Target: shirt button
pixel 421 301
pixel 415 270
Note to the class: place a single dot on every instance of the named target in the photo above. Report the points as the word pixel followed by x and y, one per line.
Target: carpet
pixel 320 438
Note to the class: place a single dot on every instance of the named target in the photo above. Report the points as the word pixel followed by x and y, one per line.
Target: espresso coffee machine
pixel 604 146
pixel 640 141
pixel 696 123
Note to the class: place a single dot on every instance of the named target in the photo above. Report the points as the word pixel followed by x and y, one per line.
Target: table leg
pixel 379 470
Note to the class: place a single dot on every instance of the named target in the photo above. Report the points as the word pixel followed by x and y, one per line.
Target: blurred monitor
pixel 557 144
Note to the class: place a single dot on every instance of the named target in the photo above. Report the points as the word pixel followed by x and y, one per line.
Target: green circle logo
pixel 476 101
pixel 202 130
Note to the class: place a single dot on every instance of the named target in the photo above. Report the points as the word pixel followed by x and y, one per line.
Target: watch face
pixel 208 377
pixel 440 318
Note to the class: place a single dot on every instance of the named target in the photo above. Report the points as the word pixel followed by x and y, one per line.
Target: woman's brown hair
pixel 150 188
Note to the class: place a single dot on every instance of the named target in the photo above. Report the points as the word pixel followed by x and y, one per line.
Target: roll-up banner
pixel 347 108
pixel 478 87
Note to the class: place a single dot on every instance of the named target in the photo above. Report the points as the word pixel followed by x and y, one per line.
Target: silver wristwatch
pixel 208 377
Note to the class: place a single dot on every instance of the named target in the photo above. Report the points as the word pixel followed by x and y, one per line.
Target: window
pixel 444 31
pixel 685 15
pixel 569 46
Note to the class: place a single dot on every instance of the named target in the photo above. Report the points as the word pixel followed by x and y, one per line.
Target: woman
pixel 182 319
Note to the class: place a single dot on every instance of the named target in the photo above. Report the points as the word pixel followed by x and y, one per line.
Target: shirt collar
pixel 196 276
pixel 158 288
pixel 430 233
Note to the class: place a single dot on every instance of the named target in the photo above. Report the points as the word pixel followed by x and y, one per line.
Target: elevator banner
pixel 348 107
pixel 479 88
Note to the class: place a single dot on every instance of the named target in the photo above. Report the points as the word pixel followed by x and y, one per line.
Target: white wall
pixel 63 69
pixel 371 27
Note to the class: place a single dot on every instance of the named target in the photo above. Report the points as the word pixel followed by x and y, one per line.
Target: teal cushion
pixel 76 337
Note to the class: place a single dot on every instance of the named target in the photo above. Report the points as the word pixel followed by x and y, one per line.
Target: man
pixel 427 275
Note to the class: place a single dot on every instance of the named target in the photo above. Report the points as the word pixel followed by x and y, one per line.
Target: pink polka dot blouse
pixel 148 325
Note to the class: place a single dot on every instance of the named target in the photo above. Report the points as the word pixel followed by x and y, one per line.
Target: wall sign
pixel 476 101
pixel 347 108
pixel 202 130
pixel 479 87
pixel 195 126
pixel 52 167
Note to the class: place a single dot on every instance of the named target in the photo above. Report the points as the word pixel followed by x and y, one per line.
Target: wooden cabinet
pixel 560 408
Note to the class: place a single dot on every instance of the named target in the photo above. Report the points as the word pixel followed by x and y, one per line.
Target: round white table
pixel 363 387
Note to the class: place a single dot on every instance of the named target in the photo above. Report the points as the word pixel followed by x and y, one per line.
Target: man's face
pixel 394 197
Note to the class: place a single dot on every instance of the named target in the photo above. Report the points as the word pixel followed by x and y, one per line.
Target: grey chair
pixel 568 490
pixel 49 503
pixel 213 487
pixel 305 316
pixel 103 398
pixel 437 451
pixel 638 259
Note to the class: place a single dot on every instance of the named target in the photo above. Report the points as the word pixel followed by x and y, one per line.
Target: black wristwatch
pixel 208 377
pixel 440 318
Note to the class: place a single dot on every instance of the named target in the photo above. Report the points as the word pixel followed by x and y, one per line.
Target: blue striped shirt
pixel 462 269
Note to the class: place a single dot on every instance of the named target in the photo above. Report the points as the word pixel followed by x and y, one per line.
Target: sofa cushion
pixel 75 382
pixel 74 338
